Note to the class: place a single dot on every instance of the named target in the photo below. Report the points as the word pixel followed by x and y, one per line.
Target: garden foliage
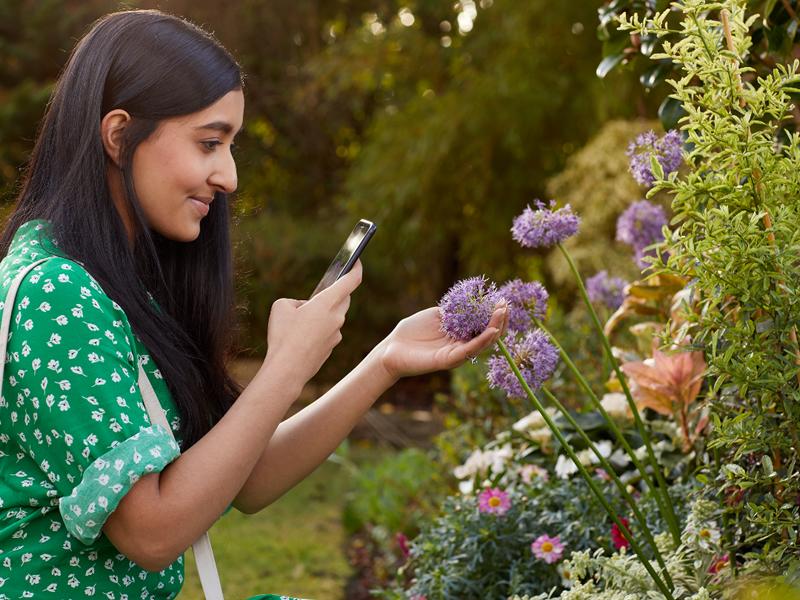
pixel 735 236
pixel 712 376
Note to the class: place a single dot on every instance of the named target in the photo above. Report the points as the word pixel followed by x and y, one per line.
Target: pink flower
pixel 617 537
pixel 418 597
pixel 549 549
pixel 494 500
pixel 719 563
pixel 402 543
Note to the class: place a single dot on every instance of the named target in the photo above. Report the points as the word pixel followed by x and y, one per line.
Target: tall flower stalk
pixel 665 504
pixel 597 404
pixel 634 544
pixel 545 227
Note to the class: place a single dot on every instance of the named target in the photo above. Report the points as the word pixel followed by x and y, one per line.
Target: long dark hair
pixel 154 66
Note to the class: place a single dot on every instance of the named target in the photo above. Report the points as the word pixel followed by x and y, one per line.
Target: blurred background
pixel 437 119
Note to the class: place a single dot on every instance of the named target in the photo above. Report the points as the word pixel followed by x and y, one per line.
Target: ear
pixel 112 129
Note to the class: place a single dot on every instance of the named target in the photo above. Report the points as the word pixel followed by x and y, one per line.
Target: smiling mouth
pixel 202 205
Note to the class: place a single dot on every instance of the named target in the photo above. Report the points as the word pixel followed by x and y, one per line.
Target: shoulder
pixel 63 281
pixel 59 299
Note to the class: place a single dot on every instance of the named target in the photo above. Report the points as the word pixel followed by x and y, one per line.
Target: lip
pixel 202 205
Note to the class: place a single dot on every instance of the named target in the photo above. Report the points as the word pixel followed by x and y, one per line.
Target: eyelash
pixel 210 145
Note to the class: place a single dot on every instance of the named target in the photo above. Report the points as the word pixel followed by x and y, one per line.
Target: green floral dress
pixel 74 433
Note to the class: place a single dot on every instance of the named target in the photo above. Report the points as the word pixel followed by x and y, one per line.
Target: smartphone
pixel 348 254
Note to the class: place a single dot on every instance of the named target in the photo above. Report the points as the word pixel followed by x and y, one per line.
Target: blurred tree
pixel 439 120
pixel 35 39
pixel 446 169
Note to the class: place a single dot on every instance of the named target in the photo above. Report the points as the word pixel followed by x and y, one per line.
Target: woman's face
pixel 184 162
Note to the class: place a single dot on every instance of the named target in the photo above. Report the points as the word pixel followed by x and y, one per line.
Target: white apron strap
pixel 203 554
pixel 204 557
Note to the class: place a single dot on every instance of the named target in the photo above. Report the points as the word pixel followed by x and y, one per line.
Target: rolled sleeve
pixel 111 476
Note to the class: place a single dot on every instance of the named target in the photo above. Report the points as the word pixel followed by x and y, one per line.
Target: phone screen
pixel 348 254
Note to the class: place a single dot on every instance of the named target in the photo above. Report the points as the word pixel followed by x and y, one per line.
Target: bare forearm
pixel 188 496
pixel 302 442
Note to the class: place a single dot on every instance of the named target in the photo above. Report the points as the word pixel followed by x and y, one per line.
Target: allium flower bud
pixel 606 290
pixel 544 227
pixel 524 299
pixel 535 357
pixel 467 307
pixel 641 226
pixel 668 151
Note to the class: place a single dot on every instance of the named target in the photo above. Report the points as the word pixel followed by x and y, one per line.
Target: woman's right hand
pixel 301 334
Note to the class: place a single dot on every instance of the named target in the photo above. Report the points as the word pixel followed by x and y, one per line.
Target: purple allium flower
pixel 606 290
pixel 523 300
pixel 668 151
pixel 467 307
pixel 544 227
pixel 549 549
pixel 536 359
pixel 494 501
pixel 640 226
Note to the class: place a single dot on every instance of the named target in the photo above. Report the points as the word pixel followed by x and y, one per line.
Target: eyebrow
pixel 220 126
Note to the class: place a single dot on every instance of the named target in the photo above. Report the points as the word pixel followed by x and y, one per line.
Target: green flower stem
pixel 623 490
pixel 588 478
pixel 613 426
pixel 671 519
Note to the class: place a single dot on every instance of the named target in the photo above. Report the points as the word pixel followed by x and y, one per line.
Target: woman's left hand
pixel 417 345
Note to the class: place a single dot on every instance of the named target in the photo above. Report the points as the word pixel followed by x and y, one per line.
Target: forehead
pixel 223 116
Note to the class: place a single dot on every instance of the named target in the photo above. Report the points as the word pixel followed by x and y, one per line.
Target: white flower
pixel 604 447
pixel 565 467
pixel 465 487
pixel 498 458
pixel 616 405
pixel 476 463
pixel 541 436
pixel 533 420
pixel 528 472
pixel 567 580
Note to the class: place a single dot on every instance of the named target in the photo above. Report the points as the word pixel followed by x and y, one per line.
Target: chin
pixel 188 233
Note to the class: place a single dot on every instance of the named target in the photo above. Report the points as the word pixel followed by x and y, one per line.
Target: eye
pixel 209 145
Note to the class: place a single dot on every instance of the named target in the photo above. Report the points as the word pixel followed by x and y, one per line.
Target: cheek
pixel 161 170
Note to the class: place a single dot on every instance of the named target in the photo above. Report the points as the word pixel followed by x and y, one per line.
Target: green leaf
pixel 656 74
pixel 608 63
pixel 766 464
pixel 670 112
pixel 767 11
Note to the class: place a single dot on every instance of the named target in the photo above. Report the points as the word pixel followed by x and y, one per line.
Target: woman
pixel 127 194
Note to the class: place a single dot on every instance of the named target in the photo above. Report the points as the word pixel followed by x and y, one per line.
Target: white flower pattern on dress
pixel 74 433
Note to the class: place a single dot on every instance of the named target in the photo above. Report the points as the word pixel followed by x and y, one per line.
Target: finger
pixel 475 346
pixel 344 286
pixel 292 302
pixel 499 318
pixel 352 280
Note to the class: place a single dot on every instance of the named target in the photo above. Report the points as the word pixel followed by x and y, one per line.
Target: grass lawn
pixel 293 547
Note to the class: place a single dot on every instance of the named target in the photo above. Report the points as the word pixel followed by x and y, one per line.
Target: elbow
pixel 244 507
pixel 153 560
pixel 151 553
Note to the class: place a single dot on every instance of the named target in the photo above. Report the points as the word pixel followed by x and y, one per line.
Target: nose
pixel 224 176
